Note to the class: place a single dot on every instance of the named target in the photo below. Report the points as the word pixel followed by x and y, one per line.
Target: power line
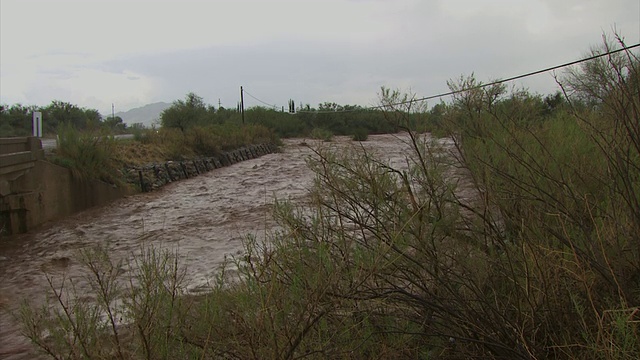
pixel 304 111
pixel 474 87
pixel 255 98
pixel 336 111
pixel 511 78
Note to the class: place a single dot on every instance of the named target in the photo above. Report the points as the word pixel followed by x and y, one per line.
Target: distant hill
pixel 147 115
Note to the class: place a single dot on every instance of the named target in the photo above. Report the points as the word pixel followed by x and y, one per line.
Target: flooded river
pixel 204 219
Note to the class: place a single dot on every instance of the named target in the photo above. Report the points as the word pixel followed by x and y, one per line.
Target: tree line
pixel 192 111
pixel 16 119
pixel 301 121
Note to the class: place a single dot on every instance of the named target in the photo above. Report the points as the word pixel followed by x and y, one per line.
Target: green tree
pixel 60 112
pixel 115 124
pixel 93 119
pixel 16 120
pixel 183 114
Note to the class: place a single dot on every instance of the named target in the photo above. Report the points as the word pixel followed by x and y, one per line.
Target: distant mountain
pixel 147 115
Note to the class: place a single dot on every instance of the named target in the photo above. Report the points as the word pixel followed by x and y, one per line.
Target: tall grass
pixel 88 154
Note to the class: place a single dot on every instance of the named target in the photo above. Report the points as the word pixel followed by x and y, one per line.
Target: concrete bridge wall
pixel 34 191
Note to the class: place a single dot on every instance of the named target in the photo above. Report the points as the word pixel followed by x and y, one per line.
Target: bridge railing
pixel 19 144
pixel 18 155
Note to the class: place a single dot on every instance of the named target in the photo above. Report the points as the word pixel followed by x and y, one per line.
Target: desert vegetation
pixel 321 122
pixel 519 241
pixel 98 155
pixel 188 128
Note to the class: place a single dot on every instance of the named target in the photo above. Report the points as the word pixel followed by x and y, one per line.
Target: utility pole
pixel 219 103
pixel 113 114
pixel 242 104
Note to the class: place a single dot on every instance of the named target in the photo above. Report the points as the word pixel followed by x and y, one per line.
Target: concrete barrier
pixel 153 176
pixel 34 191
pixel 17 156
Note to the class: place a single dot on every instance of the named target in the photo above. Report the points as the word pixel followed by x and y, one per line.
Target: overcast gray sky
pixel 130 53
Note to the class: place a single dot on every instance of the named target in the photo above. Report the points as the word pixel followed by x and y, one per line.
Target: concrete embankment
pixel 153 176
pixel 34 191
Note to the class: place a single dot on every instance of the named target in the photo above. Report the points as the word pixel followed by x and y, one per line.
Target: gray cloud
pixel 311 51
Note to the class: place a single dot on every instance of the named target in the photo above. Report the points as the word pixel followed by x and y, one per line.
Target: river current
pixel 203 219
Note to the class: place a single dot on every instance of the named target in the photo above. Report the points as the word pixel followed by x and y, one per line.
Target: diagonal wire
pixel 481 86
pixel 255 98
pixel 511 78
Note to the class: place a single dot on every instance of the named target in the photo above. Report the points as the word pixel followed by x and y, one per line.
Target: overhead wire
pixel 481 86
pixel 255 98
pixel 360 108
pixel 316 111
pixel 500 81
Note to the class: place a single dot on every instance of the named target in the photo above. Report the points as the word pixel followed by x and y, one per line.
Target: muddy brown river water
pixel 204 219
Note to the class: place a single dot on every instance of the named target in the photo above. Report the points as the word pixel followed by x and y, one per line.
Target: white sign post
pixel 37 124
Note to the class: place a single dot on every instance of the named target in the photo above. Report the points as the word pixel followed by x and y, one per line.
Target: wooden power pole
pixel 242 104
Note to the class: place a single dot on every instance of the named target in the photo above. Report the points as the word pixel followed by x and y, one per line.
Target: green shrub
pixel 360 135
pixel 77 327
pixel 88 154
pixel 207 140
pixel 557 201
pixel 142 134
pixel 203 140
pixel 321 134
